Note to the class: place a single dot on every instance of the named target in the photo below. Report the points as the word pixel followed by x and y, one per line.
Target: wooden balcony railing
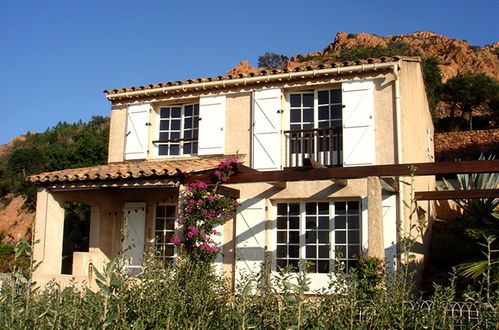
pixel 320 144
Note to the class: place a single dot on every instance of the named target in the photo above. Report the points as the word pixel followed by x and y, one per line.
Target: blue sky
pixel 58 56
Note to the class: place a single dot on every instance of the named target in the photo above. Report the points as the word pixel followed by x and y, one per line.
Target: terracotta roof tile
pixel 133 169
pixel 321 66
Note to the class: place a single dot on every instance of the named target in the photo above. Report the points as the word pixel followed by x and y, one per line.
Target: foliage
pixel 63 146
pixel 272 60
pixel 433 82
pixel 370 274
pixel 202 210
pixel 469 92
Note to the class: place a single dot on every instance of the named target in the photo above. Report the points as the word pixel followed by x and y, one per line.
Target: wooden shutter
pixel 133 244
pixel 358 123
pixel 250 236
pixel 266 129
pixel 211 125
pixel 137 131
pixel 389 205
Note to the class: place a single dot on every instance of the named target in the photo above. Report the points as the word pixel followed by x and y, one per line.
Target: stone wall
pixel 465 145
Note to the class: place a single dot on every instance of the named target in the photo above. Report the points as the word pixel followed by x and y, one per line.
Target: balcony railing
pixel 320 144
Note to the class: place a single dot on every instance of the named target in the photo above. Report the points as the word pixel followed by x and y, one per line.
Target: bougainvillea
pixel 370 273
pixel 202 210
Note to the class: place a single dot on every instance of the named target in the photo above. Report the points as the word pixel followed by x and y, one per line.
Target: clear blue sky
pixel 57 57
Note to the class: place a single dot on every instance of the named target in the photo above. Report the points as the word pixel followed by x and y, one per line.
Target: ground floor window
pixel 318 233
pixel 164 229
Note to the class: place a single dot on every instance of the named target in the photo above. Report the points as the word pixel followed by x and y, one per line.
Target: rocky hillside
pixel 454 55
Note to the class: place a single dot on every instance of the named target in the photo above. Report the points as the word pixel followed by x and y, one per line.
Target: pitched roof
pixel 151 89
pixel 130 170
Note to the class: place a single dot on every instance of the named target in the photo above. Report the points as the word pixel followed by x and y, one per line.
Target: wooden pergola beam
pixel 456 194
pixel 310 174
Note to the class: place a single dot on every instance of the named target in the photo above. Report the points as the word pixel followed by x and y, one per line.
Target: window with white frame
pixel 178 130
pixel 318 233
pixel 164 229
pixel 315 120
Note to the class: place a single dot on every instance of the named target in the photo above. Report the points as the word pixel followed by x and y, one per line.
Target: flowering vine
pixel 203 209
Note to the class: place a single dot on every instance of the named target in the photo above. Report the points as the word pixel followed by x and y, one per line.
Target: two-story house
pixel 352 114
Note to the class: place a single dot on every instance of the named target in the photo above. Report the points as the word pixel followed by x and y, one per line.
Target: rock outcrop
pixel 455 55
pixel 15 220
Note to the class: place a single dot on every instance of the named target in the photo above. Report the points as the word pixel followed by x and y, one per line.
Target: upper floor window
pixel 178 130
pixel 315 119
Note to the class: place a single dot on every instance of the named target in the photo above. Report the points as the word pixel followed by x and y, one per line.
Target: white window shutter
pixel 212 125
pixel 358 123
pixel 266 132
pixel 389 205
pixel 137 131
pixel 250 237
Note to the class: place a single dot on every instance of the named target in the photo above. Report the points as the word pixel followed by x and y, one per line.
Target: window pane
pixel 324 237
pixel 353 222
pixel 323 222
pixel 311 223
pixel 175 113
pixel 294 237
pixel 196 109
pixel 308 115
pixel 295 100
pixel 170 211
pixel 295 115
pixel 294 223
pixel 353 207
pixel 169 250
pixel 323 97
pixel 281 223
pixel 324 113
pixel 340 207
pixel 281 251
pixel 353 250
pixel 353 237
pixel 164 112
pixel 336 111
pixel 294 209
pixel 187 134
pixel 163 150
pixel 294 251
pixel 163 136
pixel 323 208
pixel 336 96
pixel 170 224
pixel 188 123
pixel 282 209
pixel 323 266
pixel 308 100
pixel 174 149
pixel 340 222
pixel 311 252
pixel 282 237
pixel 310 237
pixel 340 237
pixel 159 224
pixel 311 208
pixel 323 251
pixel 188 110
pixel 175 125
pixel 160 211
pixel 164 125
pixel 174 135
pixel 187 149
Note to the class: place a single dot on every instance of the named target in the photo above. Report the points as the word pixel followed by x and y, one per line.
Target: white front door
pixel 134 231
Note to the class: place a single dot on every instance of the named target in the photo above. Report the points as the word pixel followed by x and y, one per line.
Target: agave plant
pixel 477 211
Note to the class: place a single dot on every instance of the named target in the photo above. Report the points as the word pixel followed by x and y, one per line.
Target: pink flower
pixel 175 240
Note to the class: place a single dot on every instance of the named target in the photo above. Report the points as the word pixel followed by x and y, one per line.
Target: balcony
pixel 320 144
